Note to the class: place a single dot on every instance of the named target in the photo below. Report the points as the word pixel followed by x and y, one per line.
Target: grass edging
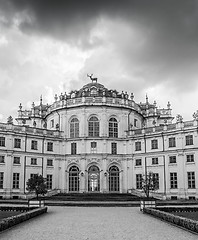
pixel 169 217
pixel 26 215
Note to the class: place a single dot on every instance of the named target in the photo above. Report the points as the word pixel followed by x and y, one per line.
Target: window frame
pixel 74 128
pixel 73 148
pixel 138 181
pixel 16 180
pixel 172 159
pixel 138 146
pixel 114 148
pixel 2 141
pixel 34 145
pixel 17 142
pixel 189 139
pixel 172 142
pixel 1 179
pixel 50 146
pixel 16 160
pixel 154 144
pixel 155 161
pixel 113 127
pixel 191 180
pixel 34 161
pixel 50 162
pixel 138 162
pixel 49 181
pixel 2 158
pixel 93 127
pixel 173 180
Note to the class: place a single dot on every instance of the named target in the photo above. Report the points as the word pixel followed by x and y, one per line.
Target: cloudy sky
pixel 139 46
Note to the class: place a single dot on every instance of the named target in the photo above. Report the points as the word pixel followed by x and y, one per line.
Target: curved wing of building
pixel 98 140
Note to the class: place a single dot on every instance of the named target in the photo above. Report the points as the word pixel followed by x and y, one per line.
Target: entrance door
pixel 74 179
pixel 93 179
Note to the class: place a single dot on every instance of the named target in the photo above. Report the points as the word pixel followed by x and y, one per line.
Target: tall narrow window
pixel 93 127
pixel 113 128
pixel 74 179
pixel 74 128
pixel 17 143
pixel 49 181
pixel 191 179
pixel 114 179
pixel 189 140
pixel 2 141
pixel 15 181
pixel 173 180
pixel 34 145
pixel 1 179
pixel 50 146
pixel 114 148
pixel 138 181
pixel 156 180
pixel 73 148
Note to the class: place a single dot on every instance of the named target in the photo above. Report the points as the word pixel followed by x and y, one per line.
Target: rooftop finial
pixel 92 79
pixel 146 99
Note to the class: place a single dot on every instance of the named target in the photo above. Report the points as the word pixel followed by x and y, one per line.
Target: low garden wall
pixel 27 213
pixel 165 214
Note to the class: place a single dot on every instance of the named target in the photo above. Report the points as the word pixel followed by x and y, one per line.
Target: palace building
pixel 99 140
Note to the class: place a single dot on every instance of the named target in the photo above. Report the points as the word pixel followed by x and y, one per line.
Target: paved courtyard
pixel 95 223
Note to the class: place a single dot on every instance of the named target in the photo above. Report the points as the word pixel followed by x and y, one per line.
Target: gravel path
pixel 95 223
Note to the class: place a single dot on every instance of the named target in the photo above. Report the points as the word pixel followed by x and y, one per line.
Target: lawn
pixel 5 214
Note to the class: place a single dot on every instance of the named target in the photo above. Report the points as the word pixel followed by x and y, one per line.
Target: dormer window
pixel 94 91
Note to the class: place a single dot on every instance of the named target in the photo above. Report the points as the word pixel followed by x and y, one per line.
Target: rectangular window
pixel 33 161
pixel 190 158
pixel 138 162
pixel 173 180
pixel 49 162
pixel 154 160
pixel 1 180
pixel 34 145
pixel 154 144
pixel 73 148
pixel 33 175
pixel 114 148
pixel 50 146
pixel 52 123
pixel 172 142
pixel 93 147
pixel 15 181
pixel 191 179
pixel 189 140
pixel 17 143
pixel 2 159
pixel 156 180
pixel 2 141
pixel 138 181
pixel 135 122
pixel 137 146
pixel 16 160
pixel 49 181
pixel 172 159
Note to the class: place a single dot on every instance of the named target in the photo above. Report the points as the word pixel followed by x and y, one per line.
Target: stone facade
pixel 95 139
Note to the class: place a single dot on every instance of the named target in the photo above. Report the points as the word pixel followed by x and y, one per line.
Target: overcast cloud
pixel 142 46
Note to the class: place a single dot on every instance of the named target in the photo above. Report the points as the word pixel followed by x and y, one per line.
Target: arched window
pixel 94 127
pixel 114 179
pixel 73 179
pixel 113 128
pixel 74 128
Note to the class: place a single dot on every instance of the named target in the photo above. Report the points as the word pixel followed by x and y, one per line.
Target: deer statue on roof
pixel 92 79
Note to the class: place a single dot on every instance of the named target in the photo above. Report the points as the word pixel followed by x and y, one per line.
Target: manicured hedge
pixel 26 215
pixel 169 217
